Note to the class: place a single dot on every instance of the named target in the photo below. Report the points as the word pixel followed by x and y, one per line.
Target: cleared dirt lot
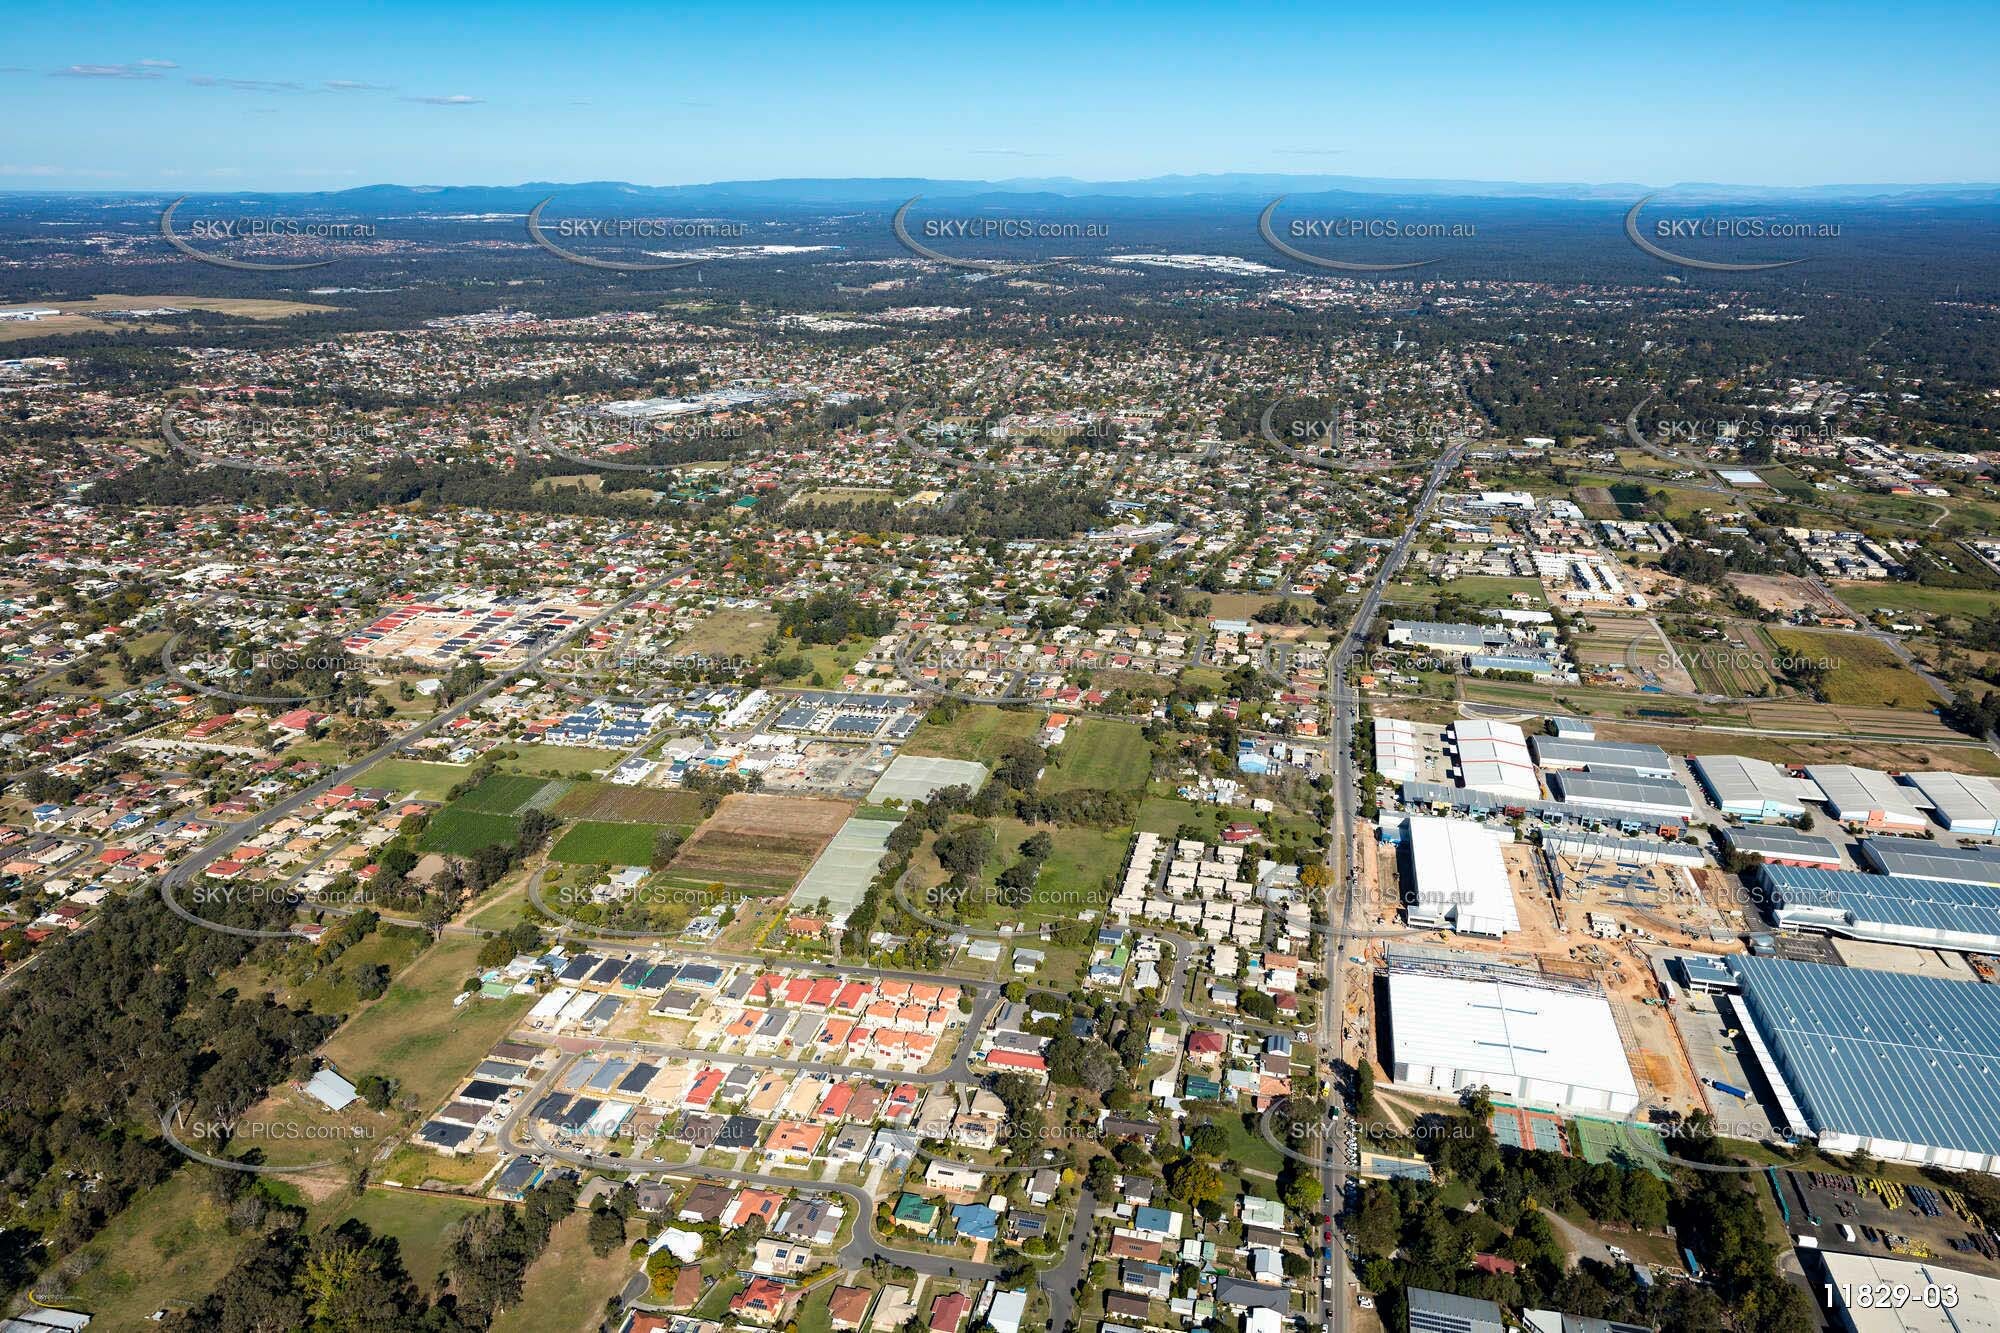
pixel 1785 592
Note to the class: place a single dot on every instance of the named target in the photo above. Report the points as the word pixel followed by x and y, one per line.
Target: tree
pixel 435 914
pixel 1209 1139
pixel 666 845
pixel 375 1090
pixel 1193 1181
pixel 606 1232
pixel 964 851
pixel 1303 1193
pixel 1379 1222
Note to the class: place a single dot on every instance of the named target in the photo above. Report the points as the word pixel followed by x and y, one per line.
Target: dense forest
pixel 111 1029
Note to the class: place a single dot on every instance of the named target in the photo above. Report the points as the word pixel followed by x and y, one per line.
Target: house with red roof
pixel 762 1302
pixel 1206 1047
pixel 1019 1062
pixel 948 1311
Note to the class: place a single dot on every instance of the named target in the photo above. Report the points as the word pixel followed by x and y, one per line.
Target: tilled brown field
pixel 759 841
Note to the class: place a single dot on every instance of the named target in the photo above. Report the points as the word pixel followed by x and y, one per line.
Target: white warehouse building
pixel 1962 802
pixel 1524 1036
pixel 1867 798
pixel 1493 758
pixel 1460 877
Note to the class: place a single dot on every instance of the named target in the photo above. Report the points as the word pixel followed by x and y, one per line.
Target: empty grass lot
pixel 979 733
pixel 594 842
pixel 410 777
pixel 171 1245
pixel 567 1285
pixel 501 794
pixel 414 1035
pixel 1098 752
pixel 1864 670
pixel 421 1225
pixel 461 832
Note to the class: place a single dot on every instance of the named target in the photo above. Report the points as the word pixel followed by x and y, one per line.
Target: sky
pixel 277 96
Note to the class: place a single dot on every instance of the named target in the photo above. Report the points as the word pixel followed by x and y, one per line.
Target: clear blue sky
pixel 310 96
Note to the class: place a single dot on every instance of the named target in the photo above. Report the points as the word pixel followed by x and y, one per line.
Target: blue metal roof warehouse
pixel 1906 1068
pixel 1890 909
pixel 1927 860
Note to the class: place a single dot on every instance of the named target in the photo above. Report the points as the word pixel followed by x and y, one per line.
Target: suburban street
pixel 1345 864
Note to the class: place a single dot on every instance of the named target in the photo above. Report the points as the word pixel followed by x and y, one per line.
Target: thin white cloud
pixel 455 99
pixel 355 86
pixel 40 169
pixel 144 69
pixel 246 85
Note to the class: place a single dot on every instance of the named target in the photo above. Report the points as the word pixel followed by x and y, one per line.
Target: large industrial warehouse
pixel 1962 802
pixel 1637 797
pixel 1750 789
pixel 1779 845
pixel 1927 860
pixel 1904 1068
pixel 1888 909
pixel 1622 758
pixel 1867 798
pixel 1493 757
pixel 1458 1023
pixel 1862 1291
pixel 1459 878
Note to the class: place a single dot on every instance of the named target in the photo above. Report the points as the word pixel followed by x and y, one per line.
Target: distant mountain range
pixel 1229 187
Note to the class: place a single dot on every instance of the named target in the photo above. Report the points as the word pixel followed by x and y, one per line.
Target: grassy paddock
pixel 1102 753
pixel 594 842
pixel 979 732
pixel 414 1035
pixel 410 777
pixel 461 832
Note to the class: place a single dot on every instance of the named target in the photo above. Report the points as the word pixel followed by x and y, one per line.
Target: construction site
pixel 1591 923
